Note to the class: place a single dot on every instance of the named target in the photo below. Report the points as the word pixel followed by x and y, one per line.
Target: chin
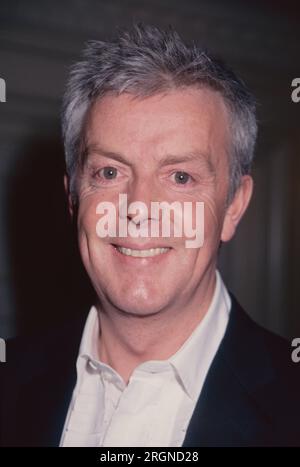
pixel 139 306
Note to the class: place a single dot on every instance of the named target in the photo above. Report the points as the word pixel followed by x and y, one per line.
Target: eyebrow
pixel 169 159
pixel 188 157
pixel 93 149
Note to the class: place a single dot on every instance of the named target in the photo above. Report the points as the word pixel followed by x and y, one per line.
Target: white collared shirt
pixel 155 407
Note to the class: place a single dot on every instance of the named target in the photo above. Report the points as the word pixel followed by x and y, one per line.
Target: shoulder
pixel 36 383
pixel 256 342
pixel 27 355
pixel 264 366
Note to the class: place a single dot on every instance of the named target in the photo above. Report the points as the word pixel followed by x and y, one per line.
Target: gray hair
pixel 144 61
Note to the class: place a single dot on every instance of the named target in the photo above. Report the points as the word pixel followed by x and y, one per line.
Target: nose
pixel 139 197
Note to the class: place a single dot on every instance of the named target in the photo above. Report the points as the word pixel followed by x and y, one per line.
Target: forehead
pixel 180 121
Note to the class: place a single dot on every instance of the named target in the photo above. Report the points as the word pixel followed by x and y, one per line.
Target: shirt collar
pixel 192 361
pixel 91 332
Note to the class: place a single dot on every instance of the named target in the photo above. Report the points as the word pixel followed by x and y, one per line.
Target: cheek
pixel 86 228
pixel 87 215
pixel 212 217
pixel 86 224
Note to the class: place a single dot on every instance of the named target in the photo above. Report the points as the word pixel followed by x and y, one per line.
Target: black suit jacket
pixel 251 396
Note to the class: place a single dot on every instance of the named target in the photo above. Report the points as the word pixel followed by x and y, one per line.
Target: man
pixel 166 357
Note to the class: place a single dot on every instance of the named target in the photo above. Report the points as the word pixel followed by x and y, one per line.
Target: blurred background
pixel 41 277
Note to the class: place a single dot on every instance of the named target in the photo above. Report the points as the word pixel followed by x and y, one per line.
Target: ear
pixel 237 208
pixel 67 190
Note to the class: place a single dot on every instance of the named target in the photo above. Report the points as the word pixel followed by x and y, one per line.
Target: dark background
pixel 41 278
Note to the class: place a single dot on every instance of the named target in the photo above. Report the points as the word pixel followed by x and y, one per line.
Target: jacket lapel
pixel 228 411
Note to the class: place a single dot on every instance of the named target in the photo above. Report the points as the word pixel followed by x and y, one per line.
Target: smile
pixel 142 253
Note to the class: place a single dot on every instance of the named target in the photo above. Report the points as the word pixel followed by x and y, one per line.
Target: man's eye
pixel 108 172
pixel 182 177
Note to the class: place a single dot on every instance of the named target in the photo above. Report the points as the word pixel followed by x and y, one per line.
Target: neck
pixel 128 340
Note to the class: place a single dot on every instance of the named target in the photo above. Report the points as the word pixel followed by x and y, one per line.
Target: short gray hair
pixel 144 61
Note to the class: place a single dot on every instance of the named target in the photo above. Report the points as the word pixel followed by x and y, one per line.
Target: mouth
pixel 142 253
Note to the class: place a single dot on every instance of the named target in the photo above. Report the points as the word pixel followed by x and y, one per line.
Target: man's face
pixel 168 147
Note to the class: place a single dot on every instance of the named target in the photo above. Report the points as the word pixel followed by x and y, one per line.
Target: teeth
pixel 142 253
